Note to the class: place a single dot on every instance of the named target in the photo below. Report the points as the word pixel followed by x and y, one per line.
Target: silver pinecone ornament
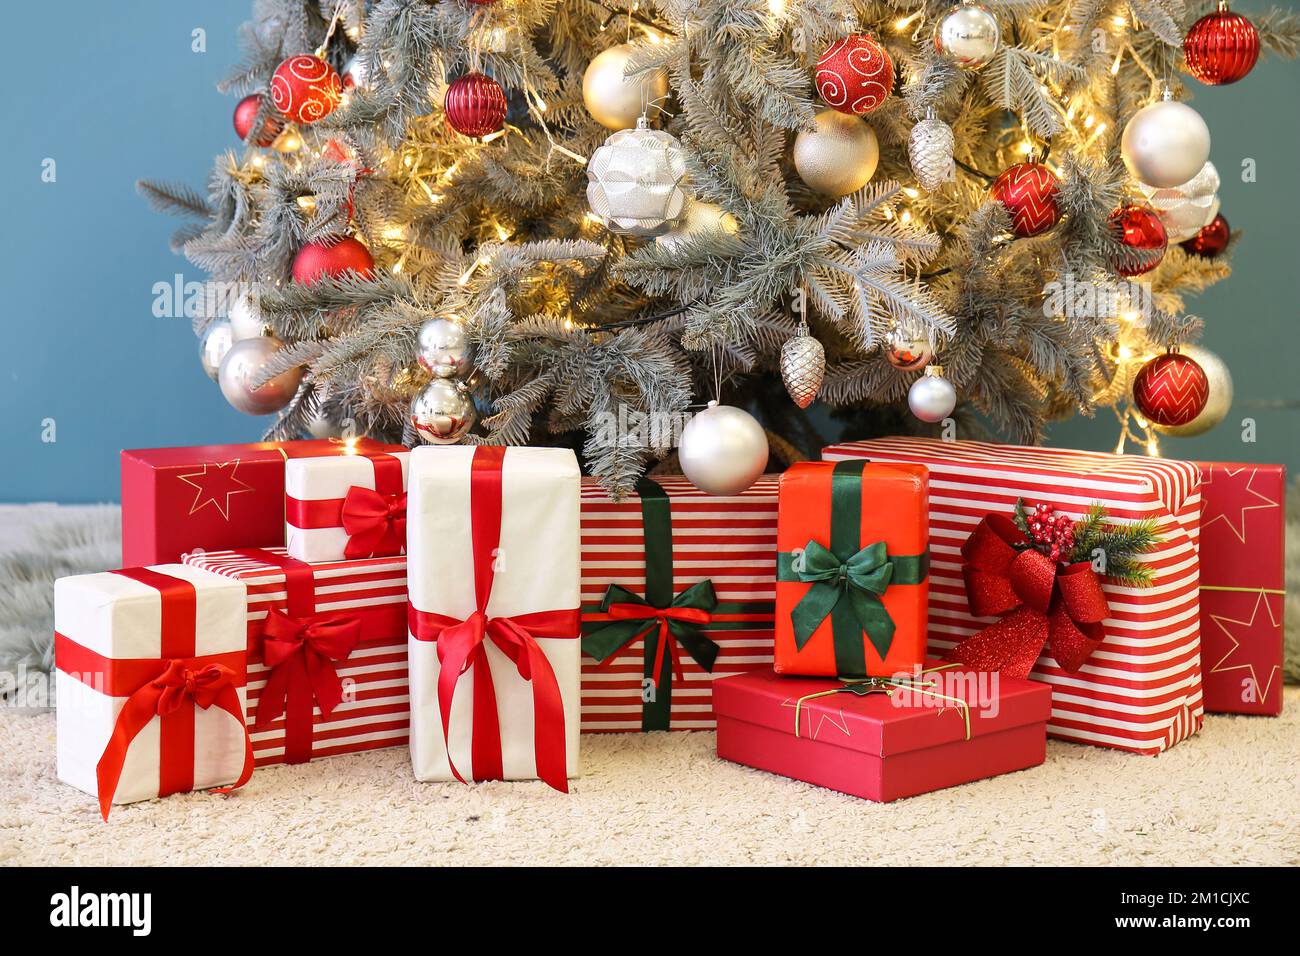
pixel 803 363
pixel 930 150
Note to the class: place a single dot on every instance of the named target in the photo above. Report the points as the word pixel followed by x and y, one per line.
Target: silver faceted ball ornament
pixel 723 450
pixel 803 366
pixel 839 156
pixel 929 149
pixel 634 181
pixel 1165 144
pixel 1188 208
pixel 242 366
pixel 616 101
pixel 443 413
pixel 932 397
pixel 213 346
pixel 246 321
pixel 1220 401
pixel 443 348
pixel 968 35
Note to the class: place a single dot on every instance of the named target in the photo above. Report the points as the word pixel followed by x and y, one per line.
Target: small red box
pixel 880 747
pixel 212 497
pixel 1243 586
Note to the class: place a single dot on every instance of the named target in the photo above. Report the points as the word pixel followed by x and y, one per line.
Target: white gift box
pixel 109 639
pixel 534 571
pixel 316 493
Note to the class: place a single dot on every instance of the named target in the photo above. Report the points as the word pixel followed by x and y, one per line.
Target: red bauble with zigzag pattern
pixel 1171 389
pixel 1028 192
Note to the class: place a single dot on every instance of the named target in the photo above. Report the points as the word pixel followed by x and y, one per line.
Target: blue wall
pixel 127 98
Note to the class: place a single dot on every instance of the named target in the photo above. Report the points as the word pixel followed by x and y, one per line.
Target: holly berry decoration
pixel 1140 229
pixel 332 256
pixel 1171 389
pixel 305 89
pixel 855 75
pixel 1028 192
pixel 246 111
pixel 1221 47
pixel 1051 533
pixel 475 105
pixel 1210 242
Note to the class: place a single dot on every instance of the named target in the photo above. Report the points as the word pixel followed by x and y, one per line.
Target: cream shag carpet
pixel 1227 796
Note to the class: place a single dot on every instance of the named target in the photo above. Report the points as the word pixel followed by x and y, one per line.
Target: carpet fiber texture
pixel 1227 797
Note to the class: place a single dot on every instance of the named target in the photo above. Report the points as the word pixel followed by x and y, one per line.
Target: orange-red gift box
pixel 1243 586
pixel 374 711
pixel 883 747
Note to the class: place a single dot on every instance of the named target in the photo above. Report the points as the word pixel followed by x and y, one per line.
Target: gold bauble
pixel 614 100
pixel 839 157
pixel 1220 401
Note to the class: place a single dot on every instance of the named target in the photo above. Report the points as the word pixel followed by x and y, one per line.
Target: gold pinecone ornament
pixel 803 365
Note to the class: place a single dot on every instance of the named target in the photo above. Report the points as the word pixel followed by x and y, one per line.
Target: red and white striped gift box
pixel 375 709
pixel 729 540
pixel 1141 690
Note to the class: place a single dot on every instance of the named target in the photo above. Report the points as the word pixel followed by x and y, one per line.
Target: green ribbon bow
pixel 608 637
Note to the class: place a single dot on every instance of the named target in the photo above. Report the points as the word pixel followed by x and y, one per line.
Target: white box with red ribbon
pixel 346 506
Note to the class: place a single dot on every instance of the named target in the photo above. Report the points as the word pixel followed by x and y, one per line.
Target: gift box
pixel 492 538
pixel 212 497
pixel 1132 678
pixel 1243 586
pixel 852 569
pixel 340 507
pixel 883 738
pixel 326 651
pixel 677 591
pixel 150 687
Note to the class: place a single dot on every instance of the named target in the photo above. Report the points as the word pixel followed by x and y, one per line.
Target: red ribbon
pixel 375 523
pixel 689 615
pixel 1043 602
pixel 462 646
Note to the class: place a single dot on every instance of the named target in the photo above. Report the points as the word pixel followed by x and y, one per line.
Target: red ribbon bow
pixel 375 523
pixel 1042 601
pixel 301 653
pixel 687 615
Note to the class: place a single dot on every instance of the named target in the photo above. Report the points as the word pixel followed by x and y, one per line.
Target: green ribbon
pixel 848 580
pixel 887 685
pixel 608 637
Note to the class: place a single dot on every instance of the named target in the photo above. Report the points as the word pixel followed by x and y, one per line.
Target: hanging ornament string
pixel 329 33
pixel 537 105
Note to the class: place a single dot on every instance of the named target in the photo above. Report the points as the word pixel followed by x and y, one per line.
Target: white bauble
pixel 242 366
pixel 614 100
pixel 214 345
pixel 839 157
pixel 699 217
pixel 1165 144
pixel 443 413
pixel 634 181
pixel 1220 401
pixel 723 450
pixel 932 397
pixel 1188 208
pixel 246 320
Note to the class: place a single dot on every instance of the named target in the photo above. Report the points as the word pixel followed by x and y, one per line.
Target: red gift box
pixel 1243 586
pixel 883 746
pixel 212 497
pixel 326 652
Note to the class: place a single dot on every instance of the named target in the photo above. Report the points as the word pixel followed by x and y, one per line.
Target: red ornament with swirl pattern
pixel 305 89
pixel 246 115
pixel 1210 242
pixel 1221 47
pixel 475 105
pixel 1138 227
pixel 1028 192
pixel 1171 389
pixel 855 75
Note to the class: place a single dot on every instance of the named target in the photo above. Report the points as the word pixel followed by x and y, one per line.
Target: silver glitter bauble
pixel 616 101
pixel 839 157
pixel 634 181
pixel 723 450
pixel 700 217
pixel 932 397
pixel 1188 208
pixel 908 351
pixel 242 366
pixel 1165 144
pixel 245 317
pixel 442 348
pixel 803 365
pixel 443 413
pixel 929 149
pixel 1220 401
pixel 214 345
pixel 968 35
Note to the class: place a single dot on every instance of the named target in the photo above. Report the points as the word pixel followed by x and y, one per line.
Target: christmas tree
pixel 570 222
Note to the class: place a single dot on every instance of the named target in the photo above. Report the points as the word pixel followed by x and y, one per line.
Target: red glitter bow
pixel 1042 600
pixel 375 523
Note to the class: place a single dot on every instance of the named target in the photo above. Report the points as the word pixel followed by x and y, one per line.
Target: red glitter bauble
pixel 1221 47
pixel 1210 242
pixel 1138 227
pixel 332 257
pixel 1171 389
pixel 305 89
pixel 475 105
pixel 1028 192
pixel 246 115
pixel 855 75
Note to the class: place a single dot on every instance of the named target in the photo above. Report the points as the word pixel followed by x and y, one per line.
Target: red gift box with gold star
pixel 1242 549
pixel 212 497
